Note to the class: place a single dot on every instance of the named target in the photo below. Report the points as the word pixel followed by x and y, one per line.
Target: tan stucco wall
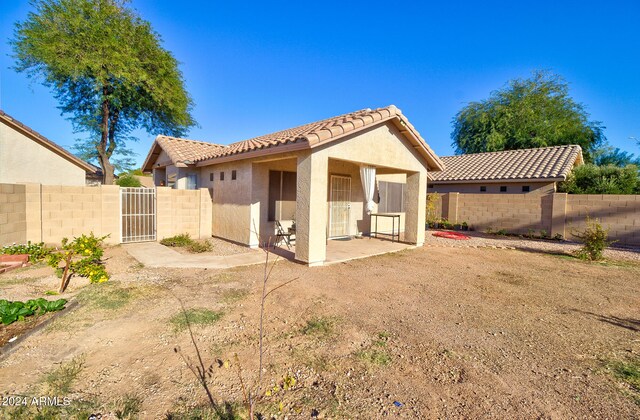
pixel 22 160
pixel 494 188
pixel 231 207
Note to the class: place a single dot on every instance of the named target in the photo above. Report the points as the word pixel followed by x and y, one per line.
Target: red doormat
pixel 451 235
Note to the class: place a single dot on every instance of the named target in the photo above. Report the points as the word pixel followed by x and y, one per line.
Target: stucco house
pixel 312 174
pixel 28 157
pixel 508 172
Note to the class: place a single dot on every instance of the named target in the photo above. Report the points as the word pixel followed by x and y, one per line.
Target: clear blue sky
pixel 255 68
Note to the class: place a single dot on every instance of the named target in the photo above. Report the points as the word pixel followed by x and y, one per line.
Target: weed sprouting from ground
pixel 105 296
pixel 629 373
pixel 376 353
pixel 127 407
pixel 60 380
pixel 319 326
pixel 234 295
pixel 194 316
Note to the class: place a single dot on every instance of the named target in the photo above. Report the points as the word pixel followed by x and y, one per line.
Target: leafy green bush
pixel 37 252
pixel 607 179
pixel 128 180
pixel 199 246
pixel 11 312
pixel 179 240
pixel 82 256
pixel 594 240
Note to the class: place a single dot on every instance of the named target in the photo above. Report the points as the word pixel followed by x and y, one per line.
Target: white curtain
pixel 368 177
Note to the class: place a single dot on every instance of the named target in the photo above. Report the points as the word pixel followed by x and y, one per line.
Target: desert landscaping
pixel 430 332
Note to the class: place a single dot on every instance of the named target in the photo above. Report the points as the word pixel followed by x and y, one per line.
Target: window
pixel 211 177
pixel 483 189
pixel 233 175
pixel 391 195
pixel 221 176
pixel 282 195
pixel 526 188
pixel 192 181
pixel 503 188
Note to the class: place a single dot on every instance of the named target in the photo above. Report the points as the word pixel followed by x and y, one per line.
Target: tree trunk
pixel 103 154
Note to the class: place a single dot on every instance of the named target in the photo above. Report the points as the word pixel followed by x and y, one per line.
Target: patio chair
pixel 282 235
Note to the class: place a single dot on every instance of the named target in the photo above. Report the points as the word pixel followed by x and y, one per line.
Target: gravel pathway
pixel 483 240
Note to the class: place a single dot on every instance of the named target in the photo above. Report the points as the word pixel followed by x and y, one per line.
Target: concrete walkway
pixel 152 254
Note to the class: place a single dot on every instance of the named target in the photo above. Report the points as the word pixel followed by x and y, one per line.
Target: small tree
pixel 128 180
pixel 608 179
pixel 82 256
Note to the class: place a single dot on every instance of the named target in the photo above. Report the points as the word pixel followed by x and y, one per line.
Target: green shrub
pixel 37 252
pixel 607 179
pixel 179 240
pixel 594 240
pixel 199 246
pixel 128 180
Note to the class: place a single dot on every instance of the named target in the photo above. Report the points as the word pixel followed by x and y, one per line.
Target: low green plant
pixel 629 373
pixel 594 240
pixel 501 232
pixel 127 407
pixel 194 316
pixel 37 252
pixel 377 353
pixel 60 380
pixel 105 296
pixel 321 326
pixel 181 240
pixel 544 234
pixel 199 246
pixel 558 237
pixel 81 256
pixel 11 312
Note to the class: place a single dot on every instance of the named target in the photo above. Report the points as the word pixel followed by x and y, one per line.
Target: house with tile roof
pixel 321 175
pixel 27 156
pixel 511 171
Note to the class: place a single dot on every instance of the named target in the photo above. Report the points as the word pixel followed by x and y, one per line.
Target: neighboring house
pixel 511 171
pixel 28 157
pixel 310 174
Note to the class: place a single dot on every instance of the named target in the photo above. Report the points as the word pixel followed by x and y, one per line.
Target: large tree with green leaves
pixel 527 113
pixel 108 70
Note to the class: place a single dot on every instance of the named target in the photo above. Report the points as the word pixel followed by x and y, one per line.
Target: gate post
pixel 110 195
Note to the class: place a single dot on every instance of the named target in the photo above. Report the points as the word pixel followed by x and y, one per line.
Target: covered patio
pixel 342 250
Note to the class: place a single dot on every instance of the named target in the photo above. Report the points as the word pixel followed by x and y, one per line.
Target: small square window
pixel 483 189
pixel 233 175
pixel 503 189
pixel 221 176
pixel 211 177
pixel 526 188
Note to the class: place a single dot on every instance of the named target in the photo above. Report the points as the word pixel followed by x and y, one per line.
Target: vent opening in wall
pixel 526 188
pixel 233 175
pixel 483 189
pixel 211 177
pixel 221 176
pixel 503 189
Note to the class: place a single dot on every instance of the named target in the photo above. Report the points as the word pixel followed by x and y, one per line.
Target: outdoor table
pixel 393 217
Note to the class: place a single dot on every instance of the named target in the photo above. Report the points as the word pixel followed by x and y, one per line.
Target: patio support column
pixel 415 207
pixel 311 208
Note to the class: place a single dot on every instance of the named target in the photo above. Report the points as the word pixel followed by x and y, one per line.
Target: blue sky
pixel 255 68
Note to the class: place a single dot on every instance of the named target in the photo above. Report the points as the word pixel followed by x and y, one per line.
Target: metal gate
pixel 339 206
pixel 138 214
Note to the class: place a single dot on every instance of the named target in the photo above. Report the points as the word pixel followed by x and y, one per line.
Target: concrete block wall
pixel 48 213
pixel 557 213
pixel 620 214
pixel 13 216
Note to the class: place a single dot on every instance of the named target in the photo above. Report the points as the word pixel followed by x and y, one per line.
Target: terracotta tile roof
pixel 526 164
pixel 308 135
pixel 45 142
pixel 185 151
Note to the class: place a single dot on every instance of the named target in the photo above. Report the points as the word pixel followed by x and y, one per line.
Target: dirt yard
pixel 425 333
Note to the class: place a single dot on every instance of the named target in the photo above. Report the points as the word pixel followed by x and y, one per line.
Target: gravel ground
pixel 219 247
pixel 483 240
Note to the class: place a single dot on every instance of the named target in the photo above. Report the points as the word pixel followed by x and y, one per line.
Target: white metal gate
pixel 137 214
pixel 339 206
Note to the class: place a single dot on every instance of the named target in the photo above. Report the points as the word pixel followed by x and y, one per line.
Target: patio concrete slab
pixel 152 254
